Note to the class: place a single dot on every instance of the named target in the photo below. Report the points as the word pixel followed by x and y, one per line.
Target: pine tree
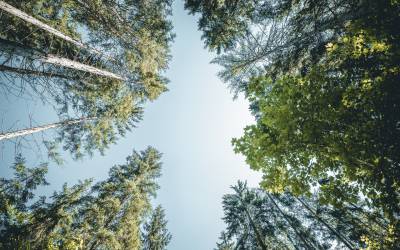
pixel 109 76
pixel 271 36
pixel 156 235
pixel 284 221
pixel 107 215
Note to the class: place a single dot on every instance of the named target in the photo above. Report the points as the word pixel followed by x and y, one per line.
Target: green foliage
pixel 156 235
pixel 107 215
pixel 321 77
pixel 276 36
pixel 338 121
pixel 111 109
pixel 284 221
pixel 132 39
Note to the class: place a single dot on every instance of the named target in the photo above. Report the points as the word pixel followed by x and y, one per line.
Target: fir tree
pixel 284 221
pixel 156 235
pixel 117 69
pixel 106 215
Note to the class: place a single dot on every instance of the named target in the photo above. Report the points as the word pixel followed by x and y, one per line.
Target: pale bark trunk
pixel 18 13
pixel 64 62
pixel 13 47
pixel 28 131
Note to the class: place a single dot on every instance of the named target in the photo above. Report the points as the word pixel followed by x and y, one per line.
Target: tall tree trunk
pixel 28 131
pixel 15 48
pixel 64 62
pixel 18 13
pixel 290 222
pixel 337 234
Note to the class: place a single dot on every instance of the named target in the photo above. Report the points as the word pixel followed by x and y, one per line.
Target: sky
pixel 192 125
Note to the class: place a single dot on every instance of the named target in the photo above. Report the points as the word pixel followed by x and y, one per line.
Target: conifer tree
pixel 125 52
pixel 156 235
pixel 284 221
pixel 271 36
pixel 107 215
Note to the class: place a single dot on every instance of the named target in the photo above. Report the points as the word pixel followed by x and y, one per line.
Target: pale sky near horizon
pixel 192 125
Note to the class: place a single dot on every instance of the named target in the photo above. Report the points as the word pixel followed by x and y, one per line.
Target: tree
pixel 136 36
pixel 25 51
pixel 255 221
pixel 126 52
pixel 156 235
pixel 106 215
pixel 16 12
pixel 254 37
pixel 337 125
pixel 285 221
pixel 320 77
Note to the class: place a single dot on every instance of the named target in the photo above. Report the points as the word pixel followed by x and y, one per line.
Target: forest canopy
pixel 321 79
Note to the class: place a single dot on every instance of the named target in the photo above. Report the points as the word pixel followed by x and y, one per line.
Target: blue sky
pixel 192 125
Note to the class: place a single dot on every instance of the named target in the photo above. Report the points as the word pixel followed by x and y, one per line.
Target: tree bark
pixel 28 131
pixel 25 51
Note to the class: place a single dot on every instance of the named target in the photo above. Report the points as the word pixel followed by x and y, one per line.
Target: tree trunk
pixel 16 12
pixel 64 62
pixel 290 223
pixel 338 235
pixel 15 48
pixel 28 131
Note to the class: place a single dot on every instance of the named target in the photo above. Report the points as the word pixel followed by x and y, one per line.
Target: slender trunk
pixel 338 235
pixel 290 222
pixel 64 62
pixel 28 131
pixel 25 51
pixel 18 13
